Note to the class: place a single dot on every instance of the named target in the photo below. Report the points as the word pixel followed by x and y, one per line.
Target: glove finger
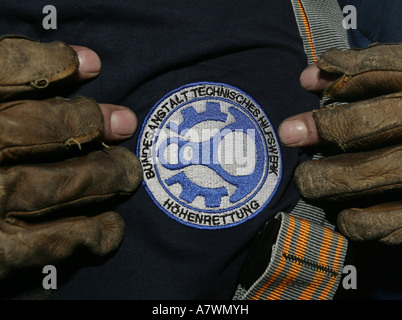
pixel 348 176
pixel 30 128
pixel 363 124
pixel 364 73
pixel 381 223
pixel 37 245
pixel 33 190
pixel 27 65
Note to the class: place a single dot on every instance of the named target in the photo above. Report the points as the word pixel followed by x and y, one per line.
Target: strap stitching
pixel 310 264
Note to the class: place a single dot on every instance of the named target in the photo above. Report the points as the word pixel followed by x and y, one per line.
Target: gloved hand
pixel 368 133
pixel 52 163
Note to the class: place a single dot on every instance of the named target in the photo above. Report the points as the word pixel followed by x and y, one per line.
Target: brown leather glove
pixel 53 164
pixel 369 133
pixel 27 65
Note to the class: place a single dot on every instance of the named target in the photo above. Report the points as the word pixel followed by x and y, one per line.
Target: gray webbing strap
pixel 320 26
pixel 306 263
pixel 307 259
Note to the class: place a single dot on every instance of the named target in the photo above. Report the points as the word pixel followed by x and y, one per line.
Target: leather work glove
pixel 52 163
pixel 368 133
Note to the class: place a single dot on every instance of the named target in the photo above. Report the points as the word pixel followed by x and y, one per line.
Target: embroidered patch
pixel 210 156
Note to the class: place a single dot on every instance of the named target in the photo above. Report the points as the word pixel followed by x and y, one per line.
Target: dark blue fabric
pixel 377 21
pixel 149 48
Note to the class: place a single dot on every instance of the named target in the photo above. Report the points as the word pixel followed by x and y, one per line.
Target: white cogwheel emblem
pixel 210 156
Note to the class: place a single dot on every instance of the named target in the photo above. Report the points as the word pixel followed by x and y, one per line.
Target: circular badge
pixel 210 156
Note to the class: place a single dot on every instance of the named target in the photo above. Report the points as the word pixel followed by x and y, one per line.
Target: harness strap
pixel 300 256
pixel 320 26
pixel 306 263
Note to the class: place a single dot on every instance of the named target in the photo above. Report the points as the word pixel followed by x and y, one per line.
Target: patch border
pixel 249 199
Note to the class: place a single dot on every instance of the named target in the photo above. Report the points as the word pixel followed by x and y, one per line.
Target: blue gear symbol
pixel 192 117
pixel 213 196
pixel 190 190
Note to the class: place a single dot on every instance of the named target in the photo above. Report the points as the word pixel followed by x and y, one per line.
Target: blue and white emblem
pixel 210 156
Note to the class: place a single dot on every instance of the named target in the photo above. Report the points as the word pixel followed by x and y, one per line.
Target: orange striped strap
pixel 299 255
pixel 306 263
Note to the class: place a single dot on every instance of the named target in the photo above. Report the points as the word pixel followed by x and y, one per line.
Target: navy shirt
pixel 248 56
pixel 150 49
pixel 375 21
